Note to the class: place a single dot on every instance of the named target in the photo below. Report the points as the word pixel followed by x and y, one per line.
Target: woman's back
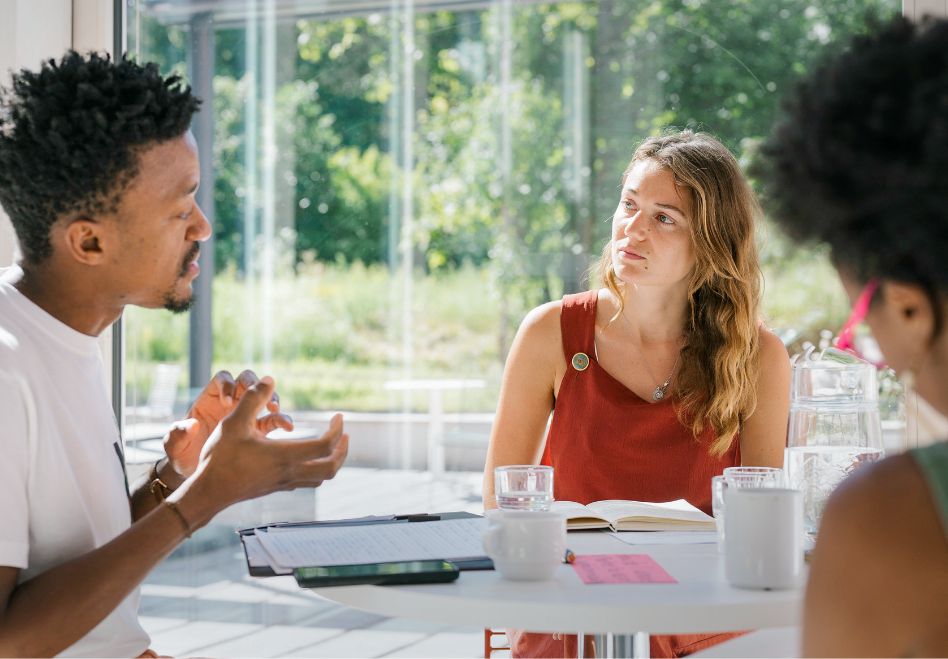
pixel 884 536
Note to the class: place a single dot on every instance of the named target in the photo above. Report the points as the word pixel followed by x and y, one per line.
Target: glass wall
pixel 393 184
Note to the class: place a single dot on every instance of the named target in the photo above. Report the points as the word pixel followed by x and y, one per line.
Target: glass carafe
pixel 834 425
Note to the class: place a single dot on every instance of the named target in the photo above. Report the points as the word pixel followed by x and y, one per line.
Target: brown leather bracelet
pixel 156 486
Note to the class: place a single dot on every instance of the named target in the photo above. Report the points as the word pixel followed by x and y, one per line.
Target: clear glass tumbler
pixel 754 476
pixel 718 486
pixel 524 487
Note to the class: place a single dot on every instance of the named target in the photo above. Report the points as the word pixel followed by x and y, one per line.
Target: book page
pixel 579 516
pixel 667 537
pixel 671 511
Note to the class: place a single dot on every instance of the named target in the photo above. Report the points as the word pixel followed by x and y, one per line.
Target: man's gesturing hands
pixel 238 462
pixel 184 441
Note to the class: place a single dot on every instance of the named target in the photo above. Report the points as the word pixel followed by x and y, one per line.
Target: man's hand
pixel 238 462
pixel 184 441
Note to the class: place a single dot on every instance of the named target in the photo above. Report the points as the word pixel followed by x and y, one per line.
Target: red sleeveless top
pixel 605 442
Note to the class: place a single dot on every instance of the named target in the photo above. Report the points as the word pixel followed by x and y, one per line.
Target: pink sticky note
pixel 620 568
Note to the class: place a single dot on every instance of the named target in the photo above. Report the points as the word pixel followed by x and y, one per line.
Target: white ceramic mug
pixel 525 545
pixel 739 477
pixel 763 537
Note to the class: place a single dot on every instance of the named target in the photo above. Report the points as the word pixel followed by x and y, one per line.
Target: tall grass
pixel 333 335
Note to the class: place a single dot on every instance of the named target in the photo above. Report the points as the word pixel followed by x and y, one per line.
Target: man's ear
pixel 85 240
pixel 910 309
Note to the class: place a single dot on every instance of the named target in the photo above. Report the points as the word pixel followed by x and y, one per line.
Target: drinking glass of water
pixel 718 485
pixel 754 476
pixel 524 487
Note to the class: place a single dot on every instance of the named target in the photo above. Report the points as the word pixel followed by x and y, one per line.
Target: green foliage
pixel 616 71
pixel 517 151
pixel 349 58
pixel 802 293
pixel 342 213
pixel 337 330
pixel 336 333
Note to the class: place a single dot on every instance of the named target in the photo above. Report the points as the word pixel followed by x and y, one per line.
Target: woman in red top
pixel 663 377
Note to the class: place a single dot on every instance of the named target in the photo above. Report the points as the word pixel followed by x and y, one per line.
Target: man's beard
pixel 179 304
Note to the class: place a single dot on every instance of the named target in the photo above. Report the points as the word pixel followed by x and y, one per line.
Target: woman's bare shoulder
pixel 544 315
pixel 888 503
pixel 540 330
pixel 771 347
pixel 774 375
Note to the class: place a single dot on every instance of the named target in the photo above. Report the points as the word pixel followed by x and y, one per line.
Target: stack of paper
pixel 288 547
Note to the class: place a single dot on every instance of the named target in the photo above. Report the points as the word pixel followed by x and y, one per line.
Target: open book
pixel 634 516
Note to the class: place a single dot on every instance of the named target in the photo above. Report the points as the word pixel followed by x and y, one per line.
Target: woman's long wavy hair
pixel 720 360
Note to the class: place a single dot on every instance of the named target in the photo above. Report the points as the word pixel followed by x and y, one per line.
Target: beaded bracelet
pixel 177 511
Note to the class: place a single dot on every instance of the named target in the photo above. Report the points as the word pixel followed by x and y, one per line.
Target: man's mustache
pixel 189 257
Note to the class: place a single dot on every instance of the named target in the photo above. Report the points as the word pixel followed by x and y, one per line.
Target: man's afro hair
pixel 70 135
pixel 860 159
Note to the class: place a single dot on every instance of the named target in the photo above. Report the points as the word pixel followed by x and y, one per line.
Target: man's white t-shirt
pixel 63 491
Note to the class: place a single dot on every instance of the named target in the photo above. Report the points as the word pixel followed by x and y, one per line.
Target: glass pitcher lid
pixel 832 375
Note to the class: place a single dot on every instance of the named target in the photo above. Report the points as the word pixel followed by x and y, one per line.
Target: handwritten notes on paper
pixel 376 543
pixel 620 568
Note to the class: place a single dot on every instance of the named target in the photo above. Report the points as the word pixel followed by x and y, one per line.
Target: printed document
pixel 293 547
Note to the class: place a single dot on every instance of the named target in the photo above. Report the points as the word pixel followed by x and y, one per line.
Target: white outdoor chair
pixel 161 396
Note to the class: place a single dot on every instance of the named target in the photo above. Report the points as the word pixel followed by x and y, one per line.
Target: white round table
pixel 701 601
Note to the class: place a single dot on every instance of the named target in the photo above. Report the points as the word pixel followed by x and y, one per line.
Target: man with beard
pixel 98 175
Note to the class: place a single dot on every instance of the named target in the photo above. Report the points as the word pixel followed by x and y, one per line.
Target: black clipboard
pixel 261 568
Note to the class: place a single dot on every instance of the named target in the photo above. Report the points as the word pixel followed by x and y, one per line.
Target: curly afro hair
pixel 859 160
pixel 70 135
